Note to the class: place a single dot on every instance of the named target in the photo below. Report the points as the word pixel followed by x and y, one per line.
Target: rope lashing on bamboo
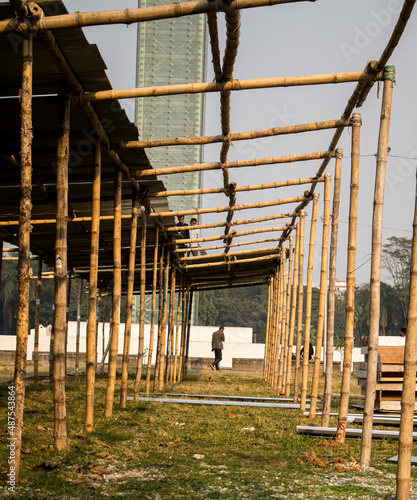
pixel 129 16
pixel 239 136
pixel 230 191
pixel 389 74
pixel 272 160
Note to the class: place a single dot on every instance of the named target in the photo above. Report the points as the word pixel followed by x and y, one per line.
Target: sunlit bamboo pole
pixel 293 311
pixel 187 341
pixel 152 332
pixel 35 354
pixel 103 340
pixel 277 347
pixel 139 367
pixel 273 160
pixel 375 281
pixel 160 304
pixel 177 329
pixel 332 292
pixel 240 136
pixel 215 256
pixel 235 235
pixel 234 263
pixel 67 310
pixel 282 359
pixel 268 323
pixel 287 352
pixel 214 44
pixel 117 257
pixel 274 312
pixel 129 299
pixel 309 291
pixel 92 292
pixel 170 331
pixel 162 357
pixel 408 399
pixel 323 295
pixel 350 279
pixel 185 304
pixel 77 339
pixel 97 324
pixel 235 245
pixel 24 247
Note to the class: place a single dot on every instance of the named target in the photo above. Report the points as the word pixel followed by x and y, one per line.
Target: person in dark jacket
pixel 217 346
pixel 310 352
pixel 185 233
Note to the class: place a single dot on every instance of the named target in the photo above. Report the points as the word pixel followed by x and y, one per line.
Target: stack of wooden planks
pixel 390 370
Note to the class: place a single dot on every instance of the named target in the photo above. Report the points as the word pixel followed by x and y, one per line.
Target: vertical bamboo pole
pixel 405 443
pixel 92 292
pixel 278 330
pixel 375 282
pixel 117 264
pixel 129 298
pixel 142 304
pixel 164 323
pixel 332 292
pixel 309 292
pixel 170 336
pixel 300 307
pixel 24 248
pixel 268 313
pixel 103 341
pixel 274 328
pixel 187 343
pixel 69 283
pixel 77 340
pixel 350 279
pixel 160 308
pixel 180 291
pixel 97 325
pixel 37 318
pixel 152 333
pixel 60 432
pixel 185 301
pixel 293 311
pixel 282 359
pixel 323 294
pixel 287 316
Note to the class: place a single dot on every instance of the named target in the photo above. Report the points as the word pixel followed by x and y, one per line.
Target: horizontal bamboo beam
pixel 254 187
pixel 53 221
pixel 273 203
pixel 239 136
pixel 236 235
pixel 230 85
pixel 232 263
pixel 272 160
pixel 129 16
pixel 243 243
pixel 230 254
pixel 235 223
pixel 239 285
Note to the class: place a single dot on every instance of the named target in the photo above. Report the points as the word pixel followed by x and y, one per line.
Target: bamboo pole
pixel 177 331
pixel 268 314
pixel 214 44
pixel 117 255
pixel 128 16
pixel 152 332
pixel 60 432
pixel 405 443
pixel 241 136
pixel 309 292
pixel 170 326
pixel 97 324
pixel 323 295
pixel 35 354
pixel 69 281
pixel 235 235
pixel 282 359
pixel 198 167
pixel 160 304
pixel 164 323
pixel 129 299
pixel 272 328
pixel 142 304
pixel 332 292
pixel 231 254
pixel 234 263
pixel 185 302
pixel 92 292
pixel 77 339
pixel 287 352
pixel 187 342
pixel 277 346
pixel 227 86
pixel 293 311
pixel 243 243
pixel 375 282
pixel 103 332
pixel 350 279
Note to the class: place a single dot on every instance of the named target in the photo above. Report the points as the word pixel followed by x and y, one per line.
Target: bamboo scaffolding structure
pixel 217 210
pixel 287 352
pixel 152 332
pixel 162 357
pixel 293 311
pixel 233 263
pixel 240 136
pixel 303 396
pixel 61 247
pixel 243 243
pixel 255 187
pixel 282 358
pixel 78 334
pixel 350 279
pixel 92 293
pixel 35 354
pixel 139 367
pixel 117 257
pixel 235 223
pixel 199 167
pixel 235 235
pixel 227 86
pixel 375 282
pixel 323 295
pixel 129 299
pixel 325 419
pixel 129 16
pixel 405 443
pixel 160 304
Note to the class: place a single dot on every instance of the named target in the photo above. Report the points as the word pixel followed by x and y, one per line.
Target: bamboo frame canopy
pixel 89 67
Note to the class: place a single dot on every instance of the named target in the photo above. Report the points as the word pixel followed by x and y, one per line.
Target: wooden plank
pixel 391 359
pixel 384 386
pixel 386 349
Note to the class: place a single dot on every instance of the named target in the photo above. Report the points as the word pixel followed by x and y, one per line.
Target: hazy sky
pixel 300 39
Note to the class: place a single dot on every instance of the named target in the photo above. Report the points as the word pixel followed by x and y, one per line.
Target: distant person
pixel 217 346
pixel 194 234
pixel 403 332
pixel 310 352
pixel 185 233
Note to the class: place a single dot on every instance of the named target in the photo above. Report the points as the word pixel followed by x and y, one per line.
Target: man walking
pixel 217 346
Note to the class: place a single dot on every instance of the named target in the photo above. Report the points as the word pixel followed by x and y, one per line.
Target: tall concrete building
pixel 171 51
